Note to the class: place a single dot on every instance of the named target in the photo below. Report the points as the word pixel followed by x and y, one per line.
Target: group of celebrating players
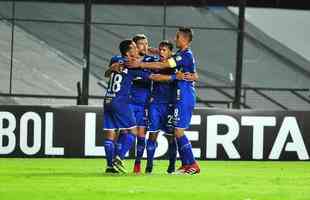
pixel 150 90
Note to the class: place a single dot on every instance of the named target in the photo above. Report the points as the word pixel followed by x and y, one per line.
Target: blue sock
pixel 172 152
pixel 124 143
pixel 150 149
pixel 186 150
pixel 182 157
pixel 140 148
pixel 109 151
pixel 118 144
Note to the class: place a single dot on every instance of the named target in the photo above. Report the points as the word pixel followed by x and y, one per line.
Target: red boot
pixel 137 168
pixel 193 169
pixel 182 169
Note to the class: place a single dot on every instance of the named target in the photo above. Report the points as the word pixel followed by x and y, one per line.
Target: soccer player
pixel 161 112
pixel 183 61
pixel 118 113
pixel 140 96
pixel 161 109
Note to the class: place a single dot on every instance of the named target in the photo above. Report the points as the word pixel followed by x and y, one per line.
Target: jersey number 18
pixel 115 82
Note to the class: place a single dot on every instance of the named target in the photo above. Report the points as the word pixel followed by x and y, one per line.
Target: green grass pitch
pixel 53 179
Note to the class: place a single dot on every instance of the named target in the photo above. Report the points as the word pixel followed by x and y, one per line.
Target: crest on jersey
pixel 178 58
pixel 125 71
pixel 147 59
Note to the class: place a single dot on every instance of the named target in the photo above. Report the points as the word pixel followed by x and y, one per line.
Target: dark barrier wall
pixel 27 131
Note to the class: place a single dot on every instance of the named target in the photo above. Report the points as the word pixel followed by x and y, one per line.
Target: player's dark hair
pixel 124 46
pixel 138 37
pixel 166 43
pixel 188 32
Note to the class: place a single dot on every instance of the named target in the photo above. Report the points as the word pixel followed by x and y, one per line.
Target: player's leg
pixel 154 127
pixel 117 133
pixel 122 137
pixel 183 114
pixel 140 114
pixel 172 152
pixel 109 148
pixel 125 121
pixel 109 135
pixel 177 121
pixel 139 149
pixel 172 145
pixel 151 146
pixel 184 149
pixel 125 141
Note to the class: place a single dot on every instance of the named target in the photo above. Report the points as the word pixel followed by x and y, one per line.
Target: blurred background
pixel 56 52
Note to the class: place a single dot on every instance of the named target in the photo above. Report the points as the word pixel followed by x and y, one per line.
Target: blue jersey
pixel 141 88
pixel 185 62
pixel 120 84
pixel 164 92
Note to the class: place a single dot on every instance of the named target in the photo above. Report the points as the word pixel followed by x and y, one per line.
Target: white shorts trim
pixel 109 129
pixel 170 134
pixel 152 132
pixel 127 128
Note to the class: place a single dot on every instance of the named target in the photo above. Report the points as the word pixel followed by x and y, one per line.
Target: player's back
pixel 120 83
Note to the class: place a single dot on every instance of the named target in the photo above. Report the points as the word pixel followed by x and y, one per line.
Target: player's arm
pixel 158 65
pixel 162 77
pixel 170 63
pixel 114 67
pixel 146 75
pixel 108 73
pixel 191 76
pixel 153 51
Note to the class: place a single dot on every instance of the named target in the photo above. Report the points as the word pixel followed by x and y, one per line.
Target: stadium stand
pixel 48 56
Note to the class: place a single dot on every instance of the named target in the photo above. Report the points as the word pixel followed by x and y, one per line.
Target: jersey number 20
pixel 115 82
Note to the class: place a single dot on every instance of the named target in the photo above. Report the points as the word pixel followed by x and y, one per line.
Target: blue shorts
pixel 161 117
pixel 183 114
pixel 118 115
pixel 140 113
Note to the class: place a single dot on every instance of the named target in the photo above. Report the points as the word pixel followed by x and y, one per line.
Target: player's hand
pixel 133 63
pixel 117 67
pixel 180 75
pixel 154 51
pixel 155 77
pixel 189 76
